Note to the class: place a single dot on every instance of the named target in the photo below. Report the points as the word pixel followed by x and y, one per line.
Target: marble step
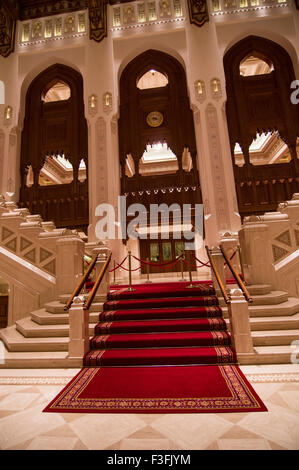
pixel 275 323
pixel 261 289
pixel 30 329
pixel 15 341
pixel 42 317
pixel 268 355
pixel 273 298
pixel 63 298
pixel 289 307
pixel 58 307
pixel 38 360
pixel 274 337
pixel 59 359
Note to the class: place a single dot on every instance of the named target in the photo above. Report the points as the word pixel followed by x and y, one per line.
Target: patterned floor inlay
pixel 24 426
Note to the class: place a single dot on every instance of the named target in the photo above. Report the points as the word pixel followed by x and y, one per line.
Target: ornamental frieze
pixel 38 9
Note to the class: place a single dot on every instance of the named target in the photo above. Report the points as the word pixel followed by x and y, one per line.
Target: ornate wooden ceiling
pixel 13 10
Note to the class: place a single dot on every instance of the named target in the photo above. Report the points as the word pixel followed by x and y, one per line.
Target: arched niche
pixel 259 104
pixel 53 128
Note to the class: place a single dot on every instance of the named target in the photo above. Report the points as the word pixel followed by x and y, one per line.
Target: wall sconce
pixel 7 115
pixel 93 105
pixel 216 88
pixel 200 90
pixel 107 102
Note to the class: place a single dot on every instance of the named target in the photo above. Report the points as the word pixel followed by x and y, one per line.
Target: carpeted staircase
pixel 161 324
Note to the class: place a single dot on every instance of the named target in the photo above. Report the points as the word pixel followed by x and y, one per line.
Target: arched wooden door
pixel 55 134
pixel 257 105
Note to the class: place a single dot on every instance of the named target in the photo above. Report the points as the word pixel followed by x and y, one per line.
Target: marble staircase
pixel 41 340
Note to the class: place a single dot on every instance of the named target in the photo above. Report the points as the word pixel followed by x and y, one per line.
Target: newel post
pixel 239 319
pixel 218 259
pixel 70 252
pixel 103 252
pixel 78 329
pixel 257 256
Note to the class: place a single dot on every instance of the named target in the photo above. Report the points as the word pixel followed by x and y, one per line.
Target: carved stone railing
pixel 218 8
pixel 38 260
pixel 52 28
pixel 126 16
pixel 270 247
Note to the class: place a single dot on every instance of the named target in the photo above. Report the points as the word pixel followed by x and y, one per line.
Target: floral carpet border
pixel 243 398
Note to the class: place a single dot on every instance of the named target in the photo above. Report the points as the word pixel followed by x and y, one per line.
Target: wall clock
pixel 154 119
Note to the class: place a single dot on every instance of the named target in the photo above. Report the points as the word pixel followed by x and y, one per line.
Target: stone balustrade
pixel 269 245
pixel 37 260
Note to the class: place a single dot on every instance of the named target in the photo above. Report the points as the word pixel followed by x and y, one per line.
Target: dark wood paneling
pixel 177 130
pixel 3 310
pixel 257 104
pixel 51 128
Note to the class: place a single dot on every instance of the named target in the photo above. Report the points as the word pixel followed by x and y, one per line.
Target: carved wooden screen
pixel 52 129
pixel 260 104
pixel 171 101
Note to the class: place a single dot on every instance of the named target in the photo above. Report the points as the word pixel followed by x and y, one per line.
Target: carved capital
pixel 97 19
pixel 198 12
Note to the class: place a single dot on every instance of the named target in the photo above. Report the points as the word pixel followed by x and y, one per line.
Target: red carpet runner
pixel 181 334
pixel 177 389
pixel 161 324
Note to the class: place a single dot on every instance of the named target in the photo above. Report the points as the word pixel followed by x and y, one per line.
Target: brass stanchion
pixel 130 273
pixel 114 271
pixel 241 263
pixel 182 268
pixel 147 272
pixel 190 273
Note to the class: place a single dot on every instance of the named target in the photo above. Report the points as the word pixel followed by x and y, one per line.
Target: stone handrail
pixel 270 247
pixel 37 260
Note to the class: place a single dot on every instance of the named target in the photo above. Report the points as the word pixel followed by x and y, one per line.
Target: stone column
pixel 204 65
pixel 79 330
pixel 70 252
pixel 239 318
pixel 256 252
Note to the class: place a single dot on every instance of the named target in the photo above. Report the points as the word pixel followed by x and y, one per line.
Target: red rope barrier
pixel 201 262
pixel 193 265
pixel 160 264
pixel 118 266
pixel 126 269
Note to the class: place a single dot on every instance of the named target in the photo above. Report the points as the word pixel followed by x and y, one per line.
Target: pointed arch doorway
pixel 157 146
pixel 54 152
pixel 263 124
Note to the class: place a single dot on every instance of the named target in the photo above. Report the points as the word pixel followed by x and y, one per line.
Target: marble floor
pixel 24 394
